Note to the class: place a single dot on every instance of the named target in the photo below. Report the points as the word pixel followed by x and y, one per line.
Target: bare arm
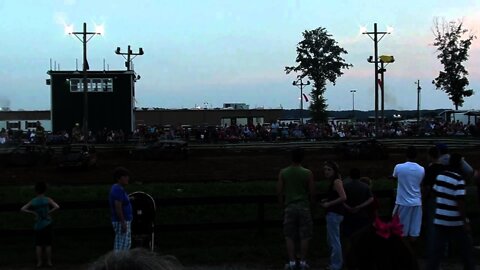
pixel 311 188
pixel 467 169
pixel 26 209
pixel 338 186
pixel 53 204
pixel 280 189
pixel 365 203
pixel 461 209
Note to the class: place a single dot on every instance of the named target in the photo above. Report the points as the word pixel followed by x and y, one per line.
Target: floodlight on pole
pixel 128 65
pixel 129 54
pixel 84 37
pixel 300 84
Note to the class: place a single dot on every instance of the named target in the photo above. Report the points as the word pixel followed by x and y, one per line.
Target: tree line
pixel 320 59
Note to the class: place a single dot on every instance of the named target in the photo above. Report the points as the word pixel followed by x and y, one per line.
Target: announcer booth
pixel 110 100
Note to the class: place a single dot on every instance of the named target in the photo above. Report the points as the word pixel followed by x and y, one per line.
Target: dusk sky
pixel 211 52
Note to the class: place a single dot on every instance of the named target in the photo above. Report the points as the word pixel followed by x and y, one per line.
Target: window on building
pixel 30 125
pixel 242 121
pixel 107 85
pixel 13 125
pixel 258 120
pixel 76 85
pixel 93 85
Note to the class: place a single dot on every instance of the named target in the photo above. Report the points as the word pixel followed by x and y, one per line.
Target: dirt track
pixel 218 163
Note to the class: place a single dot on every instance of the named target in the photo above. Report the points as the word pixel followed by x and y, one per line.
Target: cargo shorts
pixel 297 222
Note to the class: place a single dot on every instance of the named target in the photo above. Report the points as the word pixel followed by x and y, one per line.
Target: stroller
pixel 143 224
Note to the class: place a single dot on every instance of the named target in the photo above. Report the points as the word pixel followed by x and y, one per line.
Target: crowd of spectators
pixel 259 132
pixel 308 131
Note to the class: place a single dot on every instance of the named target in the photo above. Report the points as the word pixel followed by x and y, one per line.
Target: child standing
pixel 41 206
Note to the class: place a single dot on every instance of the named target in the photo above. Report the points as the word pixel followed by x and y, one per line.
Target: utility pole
pixel 299 83
pixel 418 101
pixel 128 65
pixel 376 39
pixel 84 37
pixel 382 91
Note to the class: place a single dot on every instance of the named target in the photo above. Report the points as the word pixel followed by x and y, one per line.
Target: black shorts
pixel 43 237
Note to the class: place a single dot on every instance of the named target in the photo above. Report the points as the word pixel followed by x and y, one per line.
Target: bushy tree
pixel 452 42
pixel 319 58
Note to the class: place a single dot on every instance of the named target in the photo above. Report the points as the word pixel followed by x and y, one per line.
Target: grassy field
pixel 191 247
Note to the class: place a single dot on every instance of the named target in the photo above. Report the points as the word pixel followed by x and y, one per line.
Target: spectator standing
pixel 431 172
pixel 408 203
pixel 41 206
pixel 274 130
pixel 476 178
pixel 76 133
pixel 359 198
pixel 296 192
pixel 451 223
pixel 333 205
pixel 121 210
pixel 39 133
pixel 466 168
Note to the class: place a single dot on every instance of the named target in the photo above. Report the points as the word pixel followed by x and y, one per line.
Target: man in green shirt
pixel 295 189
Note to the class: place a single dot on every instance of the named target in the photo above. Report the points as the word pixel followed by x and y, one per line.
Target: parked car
pixel 161 150
pixel 29 155
pixel 77 156
pixel 363 150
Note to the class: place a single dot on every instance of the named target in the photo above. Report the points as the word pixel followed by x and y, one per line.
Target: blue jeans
pixel 457 234
pixel 333 239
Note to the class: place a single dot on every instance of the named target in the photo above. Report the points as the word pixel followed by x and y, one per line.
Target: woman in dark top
pixel 333 205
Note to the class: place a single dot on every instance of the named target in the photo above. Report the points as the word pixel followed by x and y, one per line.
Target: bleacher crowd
pixel 244 133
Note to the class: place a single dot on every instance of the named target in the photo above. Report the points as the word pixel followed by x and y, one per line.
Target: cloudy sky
pixel 211 52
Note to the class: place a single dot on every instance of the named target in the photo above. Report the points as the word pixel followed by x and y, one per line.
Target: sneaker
pixel 288 267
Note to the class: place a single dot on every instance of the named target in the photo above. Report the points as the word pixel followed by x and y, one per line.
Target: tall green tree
pixel 452 42
pixel 319 58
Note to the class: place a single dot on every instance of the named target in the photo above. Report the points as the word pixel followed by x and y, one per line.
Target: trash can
pixel 143 224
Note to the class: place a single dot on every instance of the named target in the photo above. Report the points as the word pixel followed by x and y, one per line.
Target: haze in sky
pixel 210 52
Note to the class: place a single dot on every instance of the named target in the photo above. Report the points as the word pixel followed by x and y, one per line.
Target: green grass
pixel 16 194
pixel 192 247
pixel 21 194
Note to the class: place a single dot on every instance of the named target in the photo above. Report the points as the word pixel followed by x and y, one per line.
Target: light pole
pixel 384 61
pixel 374 36
pixel 129 53
pixel 353 91
pixel 418 101
pixel 84 37
pixel 299 83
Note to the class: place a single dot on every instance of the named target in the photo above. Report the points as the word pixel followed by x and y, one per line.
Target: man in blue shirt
pixel 121 210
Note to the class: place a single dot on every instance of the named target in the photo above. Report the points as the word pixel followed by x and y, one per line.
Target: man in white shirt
pixel 408 204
